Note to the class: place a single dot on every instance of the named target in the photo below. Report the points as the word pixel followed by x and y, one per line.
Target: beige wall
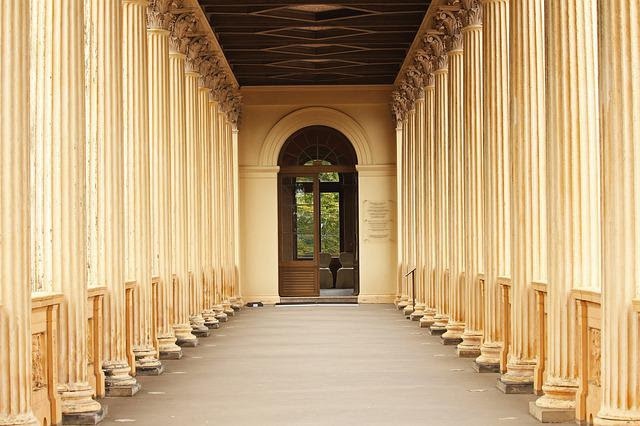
pixel 270 115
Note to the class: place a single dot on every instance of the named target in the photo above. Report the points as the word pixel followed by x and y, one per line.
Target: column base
pixel 508 387
pixel 26 419
pixel 78 405
pixel 439 326
pixel 519 377
pixel 427 319
pixel 227 309
pixel 118 381
pixel 415 316
pixel 184 337
pixel 167 347
pixel 198 328
pixel 408 310
pixel 402 304
pixel 92 418
pixel 470 345
pixel 236 306
pixel 146 362
pixel 615 420
pixel 210 320
pixel 489 359
pixel 453 335
pixel 551 415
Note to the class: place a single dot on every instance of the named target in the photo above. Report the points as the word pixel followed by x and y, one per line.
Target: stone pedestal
pixel 184 336
pixel 168 347
pixel 489 359
pixel 518 378
pixel 147 363
pixel 453 334
pixel 558 404
pixel 118 381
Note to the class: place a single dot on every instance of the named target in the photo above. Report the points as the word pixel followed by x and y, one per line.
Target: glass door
pixel 298 219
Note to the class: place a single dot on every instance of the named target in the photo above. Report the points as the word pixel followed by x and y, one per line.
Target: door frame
pixel 314 172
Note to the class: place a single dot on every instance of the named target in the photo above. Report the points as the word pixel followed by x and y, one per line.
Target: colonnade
pixel 517 132
pixel 119 227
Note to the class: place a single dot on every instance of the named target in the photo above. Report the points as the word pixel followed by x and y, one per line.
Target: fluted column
pixel 404 297
pixel 455 327
pixel 237 292
pixel 59 228
pixel 573 192
pixel 216 206
pixel 228 230
pixel 419 205
pixel 441 172
pixel 158 19
pixel 103 22
pixel 429 199
pixel 619 109
pixel 205 208
pixel 193 187
pixel 15 294
pixel 495 19
pixel 528 188
pixel 399 208
pixel 136 180
pixel 410 190
pixel 474 179
pixel 179 214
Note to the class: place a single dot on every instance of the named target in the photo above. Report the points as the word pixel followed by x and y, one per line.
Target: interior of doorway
pixel 318 215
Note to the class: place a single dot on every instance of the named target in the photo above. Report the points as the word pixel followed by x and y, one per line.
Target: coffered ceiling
pixel 269 42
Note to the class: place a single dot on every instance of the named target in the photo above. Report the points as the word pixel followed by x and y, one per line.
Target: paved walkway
pixel 320 365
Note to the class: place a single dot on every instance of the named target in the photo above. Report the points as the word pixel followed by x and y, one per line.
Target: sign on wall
pixel 378 220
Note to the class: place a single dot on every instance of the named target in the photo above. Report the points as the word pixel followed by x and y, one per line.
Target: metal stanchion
pixel 413 286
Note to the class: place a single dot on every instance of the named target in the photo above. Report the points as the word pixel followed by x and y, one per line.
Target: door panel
pixel 298 239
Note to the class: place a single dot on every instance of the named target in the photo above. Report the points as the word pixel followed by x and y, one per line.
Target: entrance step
pixel 318 300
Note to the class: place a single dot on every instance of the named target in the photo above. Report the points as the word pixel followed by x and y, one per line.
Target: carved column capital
pixel 159 14
pixel 436 50
pixel 470 13
pixel 195 49
pixel 180 25
pixel 399 105
pixel 423 59
pixel 449 23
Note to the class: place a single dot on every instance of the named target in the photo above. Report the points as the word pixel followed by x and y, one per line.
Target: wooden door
pixel 298 218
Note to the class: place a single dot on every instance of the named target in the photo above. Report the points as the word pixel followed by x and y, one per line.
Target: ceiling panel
pixel 269 42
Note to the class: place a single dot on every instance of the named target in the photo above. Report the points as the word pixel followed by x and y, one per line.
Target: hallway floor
pixel 320 365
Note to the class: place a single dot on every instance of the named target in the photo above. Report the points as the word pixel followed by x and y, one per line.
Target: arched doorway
pixel 317 215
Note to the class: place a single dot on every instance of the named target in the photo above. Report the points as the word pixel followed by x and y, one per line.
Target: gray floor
pixel 320 365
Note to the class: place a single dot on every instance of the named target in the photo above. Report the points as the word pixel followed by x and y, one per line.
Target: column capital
pixel 422 57
pixel 180 25
pixel 470 13
pixel 435 42
pixel 399 106
pixel 195 49
pixel 159 14
pixel 448 21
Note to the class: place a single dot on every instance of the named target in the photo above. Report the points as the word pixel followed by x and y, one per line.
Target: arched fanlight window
pixel 317 146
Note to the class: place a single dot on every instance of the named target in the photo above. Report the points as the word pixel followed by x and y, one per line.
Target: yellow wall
pixel 269 115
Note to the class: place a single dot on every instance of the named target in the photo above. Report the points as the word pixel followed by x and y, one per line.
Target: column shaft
pixel 105 187
pixel 15 295
pixel 619 110
pixel 179 220
pixel 455 327
pixel 193 198
pixel 474 181
pixel 419 206
pixel 58 146
pixel 411 208
pixel 160 171
pixel 528 189
pixel 136 179
pixel 573 185
pixel 495 18
pixel 441 172
pixel 429 200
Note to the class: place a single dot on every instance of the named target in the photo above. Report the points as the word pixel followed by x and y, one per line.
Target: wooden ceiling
pixel 270 42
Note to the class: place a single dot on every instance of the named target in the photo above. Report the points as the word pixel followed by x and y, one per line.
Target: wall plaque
pixel 378 220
